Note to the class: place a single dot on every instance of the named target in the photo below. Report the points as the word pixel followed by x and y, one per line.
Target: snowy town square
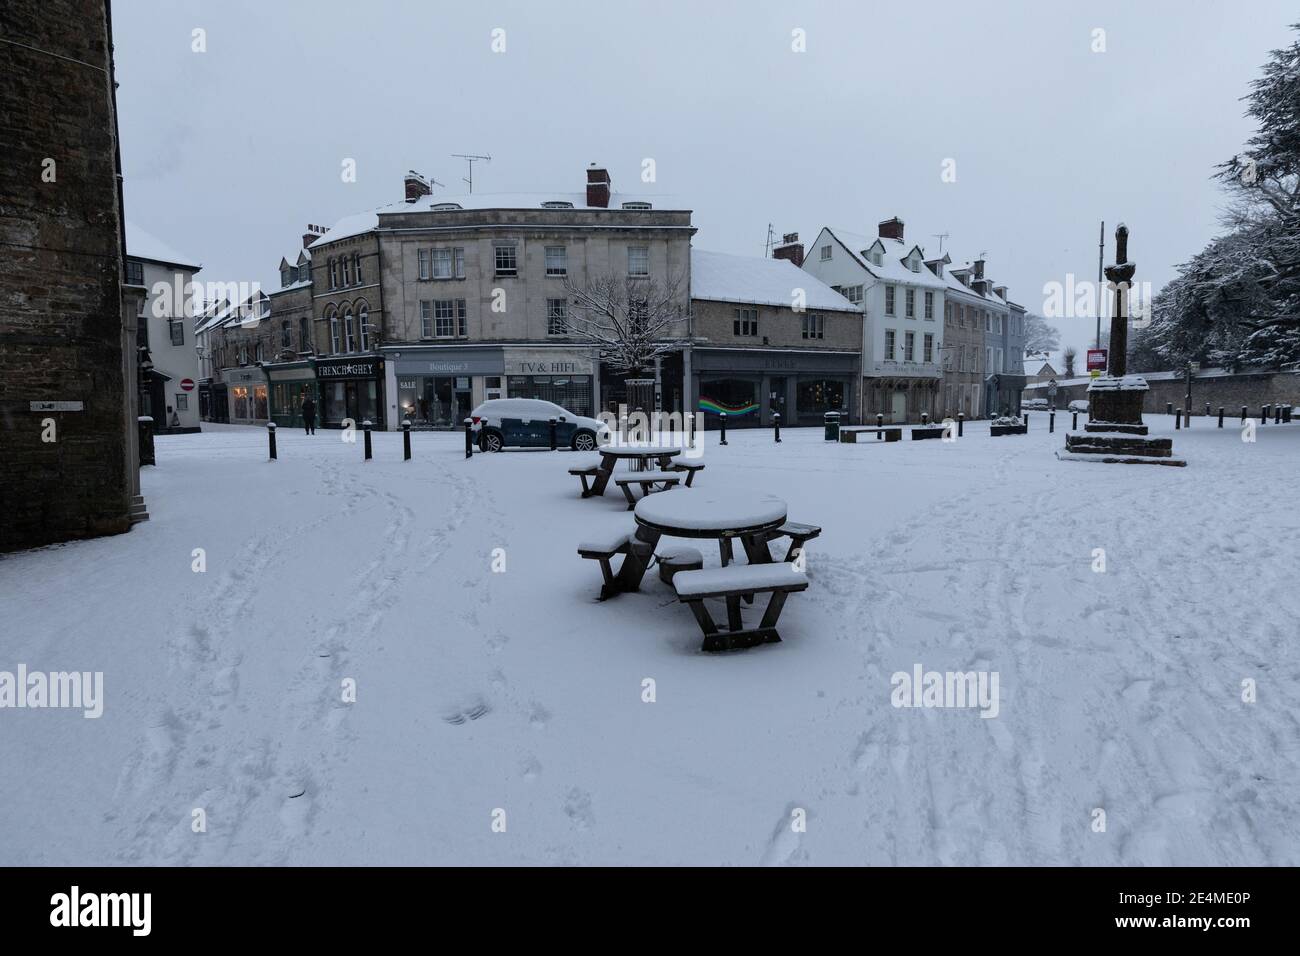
pixel 698 436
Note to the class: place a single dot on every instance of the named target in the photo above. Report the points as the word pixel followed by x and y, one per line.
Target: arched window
pixel 363 325
pixel 304 335
pixel 334 330
pixel 349 330
pixel 286 335
pixel 260 352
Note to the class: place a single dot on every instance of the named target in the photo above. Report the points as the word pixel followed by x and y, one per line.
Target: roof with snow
pixel 364 222
pixel 722 277
pixel 891 266
pixel 143 245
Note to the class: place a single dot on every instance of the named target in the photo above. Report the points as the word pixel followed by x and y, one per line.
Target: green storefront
pixel 290 384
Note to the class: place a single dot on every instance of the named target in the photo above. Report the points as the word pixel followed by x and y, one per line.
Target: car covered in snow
pixel 526 423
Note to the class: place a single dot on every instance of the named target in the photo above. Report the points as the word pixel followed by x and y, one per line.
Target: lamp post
pixel 1191 367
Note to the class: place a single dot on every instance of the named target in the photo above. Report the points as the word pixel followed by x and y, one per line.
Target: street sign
pixel 1096 359
pixel 187 384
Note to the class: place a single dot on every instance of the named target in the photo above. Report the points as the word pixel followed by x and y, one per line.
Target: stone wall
pixel 61 324
pixel 1251 389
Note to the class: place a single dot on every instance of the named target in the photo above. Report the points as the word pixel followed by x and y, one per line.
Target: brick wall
pixel 61 326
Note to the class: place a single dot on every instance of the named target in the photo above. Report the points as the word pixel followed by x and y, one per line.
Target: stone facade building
pixel 427 307
pixel 983 373
pixel 67 317
pixel 770 338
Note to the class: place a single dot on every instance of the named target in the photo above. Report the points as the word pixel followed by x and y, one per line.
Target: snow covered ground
pixel 478 691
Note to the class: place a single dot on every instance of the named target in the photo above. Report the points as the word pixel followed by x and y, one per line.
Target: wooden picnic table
pixel 611 454
pixel 695 513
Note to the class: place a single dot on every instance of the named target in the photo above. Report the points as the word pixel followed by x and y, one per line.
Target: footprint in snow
pixel 473 710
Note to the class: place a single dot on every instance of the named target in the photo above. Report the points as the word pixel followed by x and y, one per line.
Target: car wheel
pixel 584 441
pixel 493 441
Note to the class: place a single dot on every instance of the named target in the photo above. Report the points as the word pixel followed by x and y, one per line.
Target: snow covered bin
pixel 832 420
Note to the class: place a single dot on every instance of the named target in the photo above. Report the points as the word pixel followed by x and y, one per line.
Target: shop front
pixel 350 388
pixel 246 395
pixel 291 383
pixel 750 385
pixel 560 374
pixel 438 387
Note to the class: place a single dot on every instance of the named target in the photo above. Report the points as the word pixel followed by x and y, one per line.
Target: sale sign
pixel 1096 359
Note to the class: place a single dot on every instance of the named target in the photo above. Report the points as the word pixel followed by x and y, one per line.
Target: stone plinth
pixel 1115 404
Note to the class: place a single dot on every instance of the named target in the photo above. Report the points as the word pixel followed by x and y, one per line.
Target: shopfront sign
pixel 449 362
pixel 349 368
pixel 547 362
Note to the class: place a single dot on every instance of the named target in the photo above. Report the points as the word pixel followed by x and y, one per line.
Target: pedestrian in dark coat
pixel 309 415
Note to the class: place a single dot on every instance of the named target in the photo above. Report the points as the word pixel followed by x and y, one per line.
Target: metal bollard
pixel 1074 424
pixel 961 421
pixel 270 435
pixel 1277 414
pixel 1178 420
pixel 552 424
pixel 1187 422
pixel 925 419
pixel 1051 421
pixel 722 428
pixel 406 439
pixel 469 437
pixel 366 426
pixel 776 426
pixel 1263 415
pixel 1243 414
pixel 1026 421
pixel 1220 416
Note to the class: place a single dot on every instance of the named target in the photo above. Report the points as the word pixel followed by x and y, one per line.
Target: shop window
pixel 819 397
pixel 572 392
pixel 737 397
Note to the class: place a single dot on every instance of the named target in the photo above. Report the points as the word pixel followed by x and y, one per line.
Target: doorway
pixel 900 408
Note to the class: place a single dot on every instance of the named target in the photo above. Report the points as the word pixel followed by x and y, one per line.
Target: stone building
pixel 768 338
pixel 901 302
pixel 983 374
pixel 68 370
pixel 427 307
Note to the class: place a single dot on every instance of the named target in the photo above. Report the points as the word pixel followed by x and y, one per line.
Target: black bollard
pixel 366 426
pixel 469 437
pixel 1187 422
pixel 1026 421
pixel 1178 420
pixel 270 435
pixel 1051 422
pixel 1263 415
pixel 1243 414
pixel 776 426
pixel 1286 414
pixel 961 420
pixel 722 427
pixel 1220 416
pixel 1277 414
pixel 552 426
pixel 1074 423
pixel 880 421
pixel 406 439
pixel 925 419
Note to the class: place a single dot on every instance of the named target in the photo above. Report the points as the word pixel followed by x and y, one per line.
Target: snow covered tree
pixel 630 321
pixel 1238 301
pixel 1068 358
pixel 1040 337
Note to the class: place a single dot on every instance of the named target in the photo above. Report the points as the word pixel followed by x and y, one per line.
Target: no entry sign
pixel 187 384
pixel 1096 359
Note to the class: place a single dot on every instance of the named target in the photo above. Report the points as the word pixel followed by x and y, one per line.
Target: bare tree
pixel 1070 356
pixel 629 320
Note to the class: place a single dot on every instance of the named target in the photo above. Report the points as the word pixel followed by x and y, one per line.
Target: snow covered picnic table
pixel 641 454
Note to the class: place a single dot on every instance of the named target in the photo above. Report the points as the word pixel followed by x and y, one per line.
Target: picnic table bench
pixel 638 455
pixel 690 467
pixel 650 482
pixel 889 433
pixel 732 583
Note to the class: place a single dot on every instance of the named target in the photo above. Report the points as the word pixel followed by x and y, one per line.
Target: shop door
pixel 776 397
pixel 900 408
pixel 462 399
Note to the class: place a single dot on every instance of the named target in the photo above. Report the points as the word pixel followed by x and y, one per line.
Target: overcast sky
pixel 229 153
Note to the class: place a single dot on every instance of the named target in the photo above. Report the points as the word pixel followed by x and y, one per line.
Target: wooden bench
pixel 798 534
pixel 647 480
pixel 732 583
pixel 589 468
pixel 690 467
pixel 889 434
pixel 604 549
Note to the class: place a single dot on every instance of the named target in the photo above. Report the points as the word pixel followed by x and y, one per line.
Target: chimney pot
pixel 791 249
pixel 416 186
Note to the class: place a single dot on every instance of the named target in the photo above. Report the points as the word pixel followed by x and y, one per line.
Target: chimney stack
pixel 892 229
pixel 790 249
pixel 597 187
pixel 416 186
pixel 1001 290
pixel 978 266
pixel 312 234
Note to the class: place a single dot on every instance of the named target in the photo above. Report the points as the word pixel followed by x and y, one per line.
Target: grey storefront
pixel 438 387
pixel 752 384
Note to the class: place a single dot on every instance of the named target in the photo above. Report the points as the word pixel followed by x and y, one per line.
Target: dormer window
pixel 444 206
pixel 636 205
pixel 557 204
pixel 877 257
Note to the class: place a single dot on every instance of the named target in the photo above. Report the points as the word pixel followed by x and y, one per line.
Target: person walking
pixel 308 415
